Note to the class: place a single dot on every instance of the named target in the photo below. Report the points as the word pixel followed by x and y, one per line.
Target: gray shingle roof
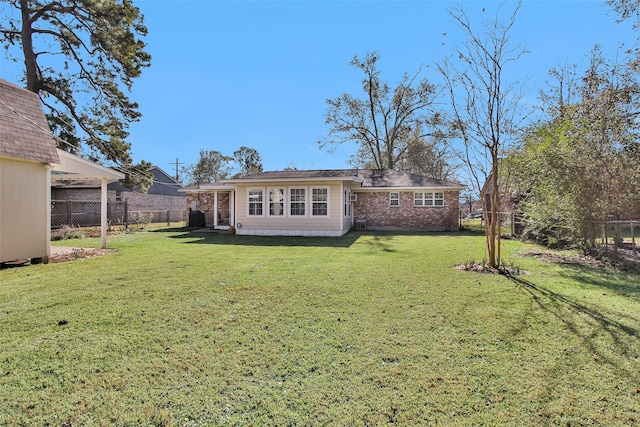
pixel 393 178
pixel 372 178
pixel 24 132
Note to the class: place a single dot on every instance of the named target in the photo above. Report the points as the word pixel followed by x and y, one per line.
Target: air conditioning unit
pixel 354 197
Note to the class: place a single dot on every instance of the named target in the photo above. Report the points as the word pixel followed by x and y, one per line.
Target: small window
pixel 394 199
pixel 297 201
pixel 320 201
pixel 255 202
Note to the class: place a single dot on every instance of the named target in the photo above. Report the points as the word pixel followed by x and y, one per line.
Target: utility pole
pixel 176 165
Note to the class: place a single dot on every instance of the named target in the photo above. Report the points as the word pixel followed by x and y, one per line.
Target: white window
pixel 276 202
pixel 255 202
pixel 298 201
pixel 394 199
pixel 320 202
pixel 428 199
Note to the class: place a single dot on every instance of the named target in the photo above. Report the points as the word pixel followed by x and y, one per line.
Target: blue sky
pixel 257 73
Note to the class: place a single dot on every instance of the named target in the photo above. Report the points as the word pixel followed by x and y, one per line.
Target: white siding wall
pixel 331 225
pixel 23 210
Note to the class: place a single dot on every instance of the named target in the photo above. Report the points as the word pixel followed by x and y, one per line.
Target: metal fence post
pixel 633 244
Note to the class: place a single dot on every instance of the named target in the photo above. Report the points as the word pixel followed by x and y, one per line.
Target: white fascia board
pixel 73 167
pixel 203 188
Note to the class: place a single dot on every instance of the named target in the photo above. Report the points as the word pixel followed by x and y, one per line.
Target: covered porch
pixel 214 204
pixel 73 169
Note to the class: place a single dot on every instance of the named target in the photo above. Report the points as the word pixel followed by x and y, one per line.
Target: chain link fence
pixel 86 213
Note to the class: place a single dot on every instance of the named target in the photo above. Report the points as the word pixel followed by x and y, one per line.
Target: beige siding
pixel 287 224
pixel 23 210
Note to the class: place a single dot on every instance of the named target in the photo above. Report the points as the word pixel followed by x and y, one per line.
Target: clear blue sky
pixel 257 73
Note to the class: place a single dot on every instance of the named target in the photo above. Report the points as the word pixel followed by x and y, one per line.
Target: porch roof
pixel 74 168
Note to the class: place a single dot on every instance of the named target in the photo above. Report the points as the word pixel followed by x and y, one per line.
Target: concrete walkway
pixel 66 250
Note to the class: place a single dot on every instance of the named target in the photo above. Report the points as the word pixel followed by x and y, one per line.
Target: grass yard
pixel 180 328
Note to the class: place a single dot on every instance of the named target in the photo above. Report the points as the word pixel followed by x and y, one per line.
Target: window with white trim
pixel 394 199
pixel 428 199
pixel 320 201
pixel 276 202
pixel 255 202
pixel 297 201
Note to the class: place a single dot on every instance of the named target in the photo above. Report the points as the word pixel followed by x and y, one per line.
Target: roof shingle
pixel 372 178
pixel 24 131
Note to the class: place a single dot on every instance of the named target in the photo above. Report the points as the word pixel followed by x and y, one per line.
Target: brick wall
pixel 374 208
pixel 205 203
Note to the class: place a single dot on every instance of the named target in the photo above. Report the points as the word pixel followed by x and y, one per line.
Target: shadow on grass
pixel 611 280
pixel 212 238
pixel 574 315
pixel 380 240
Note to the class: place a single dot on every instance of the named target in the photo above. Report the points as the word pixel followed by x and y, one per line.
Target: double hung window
pixel 428 199
pixel 319 201
pixel 255 202
pixel 394 199
pixel 297 201
pixel 276 202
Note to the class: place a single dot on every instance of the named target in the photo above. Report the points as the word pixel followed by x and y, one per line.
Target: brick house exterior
pixel 327 203
pixel 375 210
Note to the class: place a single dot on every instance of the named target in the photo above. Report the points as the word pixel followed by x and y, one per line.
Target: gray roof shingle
pixel 372 178
pixel 24 131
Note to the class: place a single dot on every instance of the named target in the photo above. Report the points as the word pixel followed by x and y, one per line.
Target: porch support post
pixel 103 212
pixel 232 208
pixel 215 209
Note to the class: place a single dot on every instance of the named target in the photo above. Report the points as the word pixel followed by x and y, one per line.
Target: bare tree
pixel 381 123
pixel 485 109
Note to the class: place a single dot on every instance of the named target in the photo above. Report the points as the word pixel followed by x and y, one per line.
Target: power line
pixel 177 164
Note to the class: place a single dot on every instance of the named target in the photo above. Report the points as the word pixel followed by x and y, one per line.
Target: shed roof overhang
pixel 74 168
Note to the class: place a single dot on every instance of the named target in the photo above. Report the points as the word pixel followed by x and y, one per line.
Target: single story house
pixel 327 202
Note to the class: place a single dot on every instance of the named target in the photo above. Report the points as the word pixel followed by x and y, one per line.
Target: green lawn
pixel 181 329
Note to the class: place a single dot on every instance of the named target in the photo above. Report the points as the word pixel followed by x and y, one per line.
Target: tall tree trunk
pixel 491 207
pixel 31 66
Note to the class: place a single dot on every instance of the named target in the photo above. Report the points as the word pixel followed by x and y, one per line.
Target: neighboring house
pixel 163 199
pixel 327 202
pixel 29 162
